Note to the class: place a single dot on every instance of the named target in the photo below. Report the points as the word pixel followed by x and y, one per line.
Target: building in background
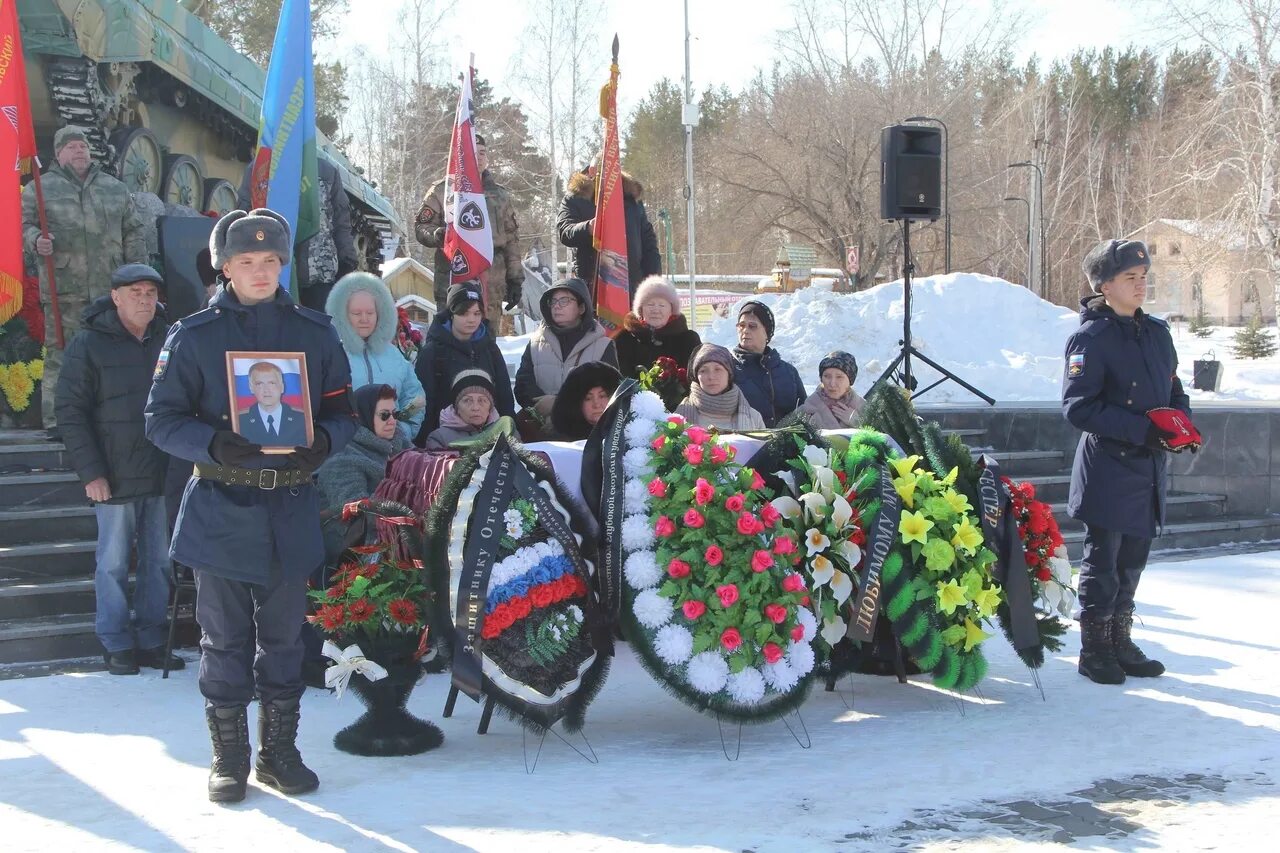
pixel 1205 263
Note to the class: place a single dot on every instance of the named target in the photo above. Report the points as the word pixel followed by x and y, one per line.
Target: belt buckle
pixel 275 478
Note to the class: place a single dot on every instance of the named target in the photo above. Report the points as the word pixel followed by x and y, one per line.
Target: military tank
pixel 170 108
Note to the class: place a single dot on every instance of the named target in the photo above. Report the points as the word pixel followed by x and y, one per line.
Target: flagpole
pixel 690 117
pixel 48 259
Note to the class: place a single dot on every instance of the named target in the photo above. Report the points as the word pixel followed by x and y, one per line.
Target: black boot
pixel 1128 655
pixel 279 763
pixel 229 773
pixel 121 663
pixel 1097 657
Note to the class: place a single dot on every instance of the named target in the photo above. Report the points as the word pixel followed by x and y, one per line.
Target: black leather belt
pixel 258 478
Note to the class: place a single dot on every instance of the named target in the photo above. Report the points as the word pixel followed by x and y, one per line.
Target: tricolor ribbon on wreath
pixel 346 663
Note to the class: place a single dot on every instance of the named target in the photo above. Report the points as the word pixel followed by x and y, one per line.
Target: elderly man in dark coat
pixel 101 393
pixel 250 523
pixel 1120 365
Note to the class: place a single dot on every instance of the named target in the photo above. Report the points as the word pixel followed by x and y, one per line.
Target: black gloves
pixel 1154 439
pixel 310 458
pixel 229 448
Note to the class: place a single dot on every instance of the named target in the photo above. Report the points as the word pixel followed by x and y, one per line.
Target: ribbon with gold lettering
pixel 1000 529
pixel 880 539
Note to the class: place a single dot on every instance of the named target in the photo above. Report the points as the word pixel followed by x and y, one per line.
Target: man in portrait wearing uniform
pixel 505 277
pixel 270 421
pixel 1121 381
pixel 249 524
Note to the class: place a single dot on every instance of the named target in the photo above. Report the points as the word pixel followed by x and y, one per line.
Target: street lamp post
pixel 946 188
pixel 1039 218
pixel 1028 204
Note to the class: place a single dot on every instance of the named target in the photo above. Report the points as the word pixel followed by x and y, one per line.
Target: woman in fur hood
pixel 365 316
pixel 577 218
pixel 655 327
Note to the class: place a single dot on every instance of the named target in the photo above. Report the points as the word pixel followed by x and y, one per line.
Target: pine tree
pixel 1199 324
pixel 1253 341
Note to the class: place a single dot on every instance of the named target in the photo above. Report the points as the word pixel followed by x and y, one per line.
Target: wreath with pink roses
pixel 715 605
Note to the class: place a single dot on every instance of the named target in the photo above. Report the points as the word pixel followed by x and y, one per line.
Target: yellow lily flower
pixel 959 503
pixel 967 537
pixel 987 601
pixel 973 635
pixel 906 488
pixel 950 479
pixel 950 596
pixel 914 527
pixel 905 465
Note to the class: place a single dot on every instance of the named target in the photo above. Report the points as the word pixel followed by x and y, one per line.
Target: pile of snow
pixel 995 335
pixel 1242 378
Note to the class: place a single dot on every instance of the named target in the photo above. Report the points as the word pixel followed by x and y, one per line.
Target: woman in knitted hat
pixel 583 398
pixel 459 339
pixel 715 400
pixel 835 405
pixel 364 313
pixel 772 386
pixel 472 410
pixel 655 327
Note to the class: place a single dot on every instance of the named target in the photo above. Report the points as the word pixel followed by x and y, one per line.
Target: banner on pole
pixel 17 157
pixel 468 234
pixel 609 236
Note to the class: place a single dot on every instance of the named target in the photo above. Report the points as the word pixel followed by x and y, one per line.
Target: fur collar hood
pixel 583 185
pixel 336 307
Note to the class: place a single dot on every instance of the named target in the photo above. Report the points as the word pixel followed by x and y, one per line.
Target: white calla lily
pixel 815 542
pixel 789 507
pixel 824 480
pixel 814 504
pixel 833 630
pixel 821 570
pixel 816 456
pixel 841 587
pixel 851 553
pixel 841 512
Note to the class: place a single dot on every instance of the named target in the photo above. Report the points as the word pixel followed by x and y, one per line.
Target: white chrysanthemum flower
pixel 746 687
pixel 576 612
pixel 648 405
pixel 780 676
pixel 652 610
pixel 640 432
pixel 800 657
pixel 674 644
pixel 707 673
pixel 807 621
pixel 637 532
pixel 636 462
pixel 641 570
pixel 636 496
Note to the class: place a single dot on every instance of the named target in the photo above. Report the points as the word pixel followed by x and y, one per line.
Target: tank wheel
pixel 138 160
pixel 219 196
pixel 183 184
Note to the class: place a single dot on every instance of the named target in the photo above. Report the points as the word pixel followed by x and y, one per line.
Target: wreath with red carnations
pixel 1048 566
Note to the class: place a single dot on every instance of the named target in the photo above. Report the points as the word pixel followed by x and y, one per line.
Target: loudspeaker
pixel 910 172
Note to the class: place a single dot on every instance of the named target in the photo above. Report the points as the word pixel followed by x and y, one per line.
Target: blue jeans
pixel 120 527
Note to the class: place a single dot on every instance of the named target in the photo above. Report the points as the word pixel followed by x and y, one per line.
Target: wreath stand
pixel 486 716
pixel 799 733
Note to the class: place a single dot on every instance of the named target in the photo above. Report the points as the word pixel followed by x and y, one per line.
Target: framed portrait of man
pixel 270 403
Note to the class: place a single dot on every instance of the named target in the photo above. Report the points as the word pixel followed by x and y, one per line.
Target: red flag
pixel 17 148
pixel 468 234
pixel 609 236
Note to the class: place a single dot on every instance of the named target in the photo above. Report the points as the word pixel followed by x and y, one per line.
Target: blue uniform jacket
pixel 772 386
pixel 236 531
pixel 1117 369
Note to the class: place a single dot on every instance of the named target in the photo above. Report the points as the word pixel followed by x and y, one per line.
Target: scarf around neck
pixel 844 408
pixel 726 404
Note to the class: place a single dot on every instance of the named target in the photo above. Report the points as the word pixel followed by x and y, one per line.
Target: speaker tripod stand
pixel 905 378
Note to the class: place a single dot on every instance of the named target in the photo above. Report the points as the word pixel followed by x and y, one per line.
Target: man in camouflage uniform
pixel 94 229
pixel 505 276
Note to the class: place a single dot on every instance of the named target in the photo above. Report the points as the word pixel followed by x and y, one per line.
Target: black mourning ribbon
pixel 880 538
pixel 1000 529
pixel 603 488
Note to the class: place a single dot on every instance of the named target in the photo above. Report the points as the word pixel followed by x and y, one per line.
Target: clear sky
pixel 732 38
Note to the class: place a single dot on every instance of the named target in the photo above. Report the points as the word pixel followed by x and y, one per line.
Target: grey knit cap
pixel 842 361
pixel 710 353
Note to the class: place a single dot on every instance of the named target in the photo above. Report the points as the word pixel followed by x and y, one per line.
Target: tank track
pixel 79 100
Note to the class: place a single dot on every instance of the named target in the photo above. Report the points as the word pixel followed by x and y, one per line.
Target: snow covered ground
pixel 98 762
pixel 993 334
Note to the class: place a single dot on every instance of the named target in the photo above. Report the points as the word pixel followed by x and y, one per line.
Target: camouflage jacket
pixel 506 272
pixel 95 229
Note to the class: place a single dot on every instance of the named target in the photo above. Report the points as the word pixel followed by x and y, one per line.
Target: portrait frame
pixel 292 398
